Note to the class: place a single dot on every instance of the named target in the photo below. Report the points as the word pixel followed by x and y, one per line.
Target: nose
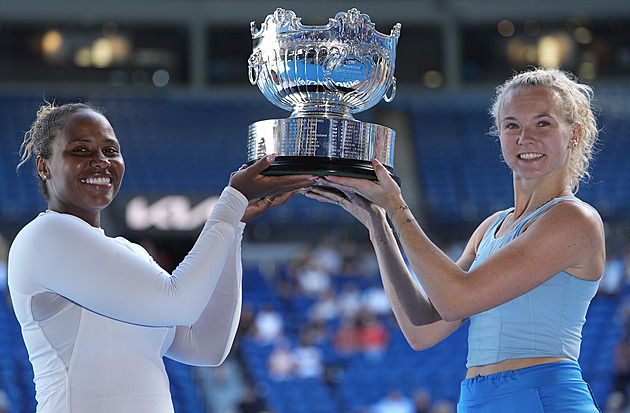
pixel 525 137
pixel 99 160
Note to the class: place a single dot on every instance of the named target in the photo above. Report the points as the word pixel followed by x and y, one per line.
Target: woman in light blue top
pixel 527 274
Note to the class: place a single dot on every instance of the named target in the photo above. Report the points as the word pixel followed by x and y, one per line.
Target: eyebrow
pixel 84 140
pixel 542 115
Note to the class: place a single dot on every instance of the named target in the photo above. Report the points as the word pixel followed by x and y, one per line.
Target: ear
pixel 42 168
pixel 575 134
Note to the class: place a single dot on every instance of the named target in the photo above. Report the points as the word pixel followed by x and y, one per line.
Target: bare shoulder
pixel 581 229
pixel 576 214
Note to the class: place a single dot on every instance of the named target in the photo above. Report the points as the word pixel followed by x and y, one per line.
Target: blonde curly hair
pixel 577 99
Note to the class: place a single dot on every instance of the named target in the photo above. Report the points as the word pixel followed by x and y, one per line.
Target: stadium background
pixel 172 76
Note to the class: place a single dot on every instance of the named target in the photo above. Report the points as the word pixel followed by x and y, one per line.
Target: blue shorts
pixel 553 387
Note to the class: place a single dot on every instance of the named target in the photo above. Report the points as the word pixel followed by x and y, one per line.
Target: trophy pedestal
pixel 321 146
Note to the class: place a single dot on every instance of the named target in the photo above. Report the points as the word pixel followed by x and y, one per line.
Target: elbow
pixel 187 318
pixel 419 345
pixel 450 313
pixel 419 342
pixel 451 316
pixel 216 358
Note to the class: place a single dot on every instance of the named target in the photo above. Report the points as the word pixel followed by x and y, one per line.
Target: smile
pixel 530 155
pixel 100 180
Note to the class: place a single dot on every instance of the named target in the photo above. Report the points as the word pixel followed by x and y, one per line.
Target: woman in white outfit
pixel 98 313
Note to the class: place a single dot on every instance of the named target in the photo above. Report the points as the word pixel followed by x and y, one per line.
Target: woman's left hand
pixel 249 181
pixel 260 206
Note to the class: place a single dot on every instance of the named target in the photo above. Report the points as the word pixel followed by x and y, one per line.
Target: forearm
pixel 209 340
pixel 405 295
pixel 417 317
pixel 436 272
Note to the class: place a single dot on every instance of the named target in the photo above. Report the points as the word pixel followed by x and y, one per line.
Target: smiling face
pixel 86 167
pixel 535 136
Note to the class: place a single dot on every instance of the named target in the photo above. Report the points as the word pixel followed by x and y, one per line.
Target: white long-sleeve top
pixel 98 313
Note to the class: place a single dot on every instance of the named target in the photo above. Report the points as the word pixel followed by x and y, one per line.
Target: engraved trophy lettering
pixel 323 74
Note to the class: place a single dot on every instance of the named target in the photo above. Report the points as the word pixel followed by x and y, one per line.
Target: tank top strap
pixel 498 220
pixel 539 211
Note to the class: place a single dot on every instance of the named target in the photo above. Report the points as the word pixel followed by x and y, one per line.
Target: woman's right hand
pixel 250 182
pixel 367 212
pixel 383 191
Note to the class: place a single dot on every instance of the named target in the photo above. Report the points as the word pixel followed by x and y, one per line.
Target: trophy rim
pixel 348 43
pixel 286 22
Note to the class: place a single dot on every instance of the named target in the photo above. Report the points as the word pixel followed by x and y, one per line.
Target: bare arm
pixel 568 237
pixel 417 317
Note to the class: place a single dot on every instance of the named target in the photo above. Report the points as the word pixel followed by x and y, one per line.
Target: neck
pixel 94 221
pixel 527 201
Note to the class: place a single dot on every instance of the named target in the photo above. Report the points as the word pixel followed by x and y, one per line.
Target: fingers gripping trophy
pixel 323 74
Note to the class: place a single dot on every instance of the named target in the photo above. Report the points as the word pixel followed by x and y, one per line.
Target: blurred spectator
pixel 443 406
pixel 373 335
pixel 250 402
pixel 247 324
pixel 614 276
pixel 325 308
pixel 621 365
pixel 281 363
pixel 626 261
pixel 313 279
pixel 4 257
pixel 309 360
pixel 345 340
pixel 327 257
pixel 351 265
pixel 375 300
pixel 5 405
pixel 349 300
pixel 421 401
pixel 394 402
pixel 317 332
pixel 269 324
pixel 615 403
pixel 368 261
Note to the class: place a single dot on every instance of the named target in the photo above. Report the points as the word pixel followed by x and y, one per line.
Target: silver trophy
pixel 322 74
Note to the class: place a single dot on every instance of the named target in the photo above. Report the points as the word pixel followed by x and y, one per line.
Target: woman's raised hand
pixel 250 182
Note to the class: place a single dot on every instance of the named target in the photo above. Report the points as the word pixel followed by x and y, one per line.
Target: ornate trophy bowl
pixel 322 74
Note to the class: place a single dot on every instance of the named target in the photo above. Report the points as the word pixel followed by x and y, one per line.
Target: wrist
pixel 395 204
pixel 382 237
pixel 400 215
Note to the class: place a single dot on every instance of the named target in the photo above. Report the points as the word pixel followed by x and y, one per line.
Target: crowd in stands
pixel 343 313
pixel 616 281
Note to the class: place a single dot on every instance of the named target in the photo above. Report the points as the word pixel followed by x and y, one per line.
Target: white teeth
pixel 97 180
pixel 530 155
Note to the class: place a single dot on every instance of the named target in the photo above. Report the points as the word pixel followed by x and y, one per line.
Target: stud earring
pixel 574 145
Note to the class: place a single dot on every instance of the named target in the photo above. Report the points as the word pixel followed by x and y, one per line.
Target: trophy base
pixel 321 146
pixel 322 166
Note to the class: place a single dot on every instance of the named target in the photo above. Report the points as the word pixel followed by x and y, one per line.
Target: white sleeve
pixel 63 254
pixel 209 340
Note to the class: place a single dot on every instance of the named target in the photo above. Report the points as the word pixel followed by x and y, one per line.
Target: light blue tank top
pixel 545 322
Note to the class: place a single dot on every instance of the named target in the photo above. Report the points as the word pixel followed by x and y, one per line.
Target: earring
pixel 574 145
